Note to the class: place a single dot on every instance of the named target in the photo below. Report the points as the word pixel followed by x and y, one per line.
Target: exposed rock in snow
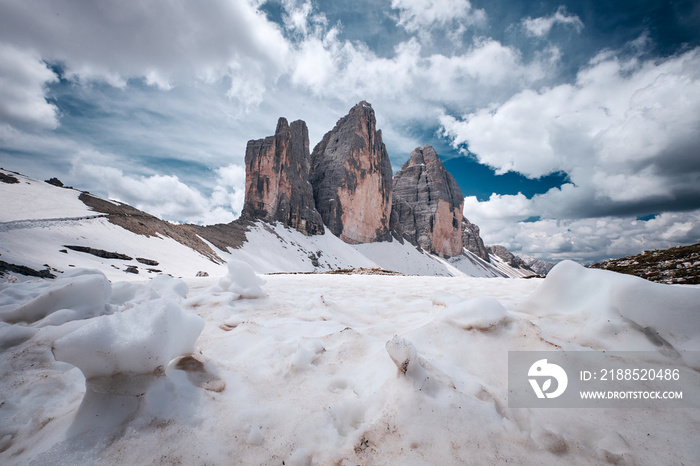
pixel 351 178
pixel 674 265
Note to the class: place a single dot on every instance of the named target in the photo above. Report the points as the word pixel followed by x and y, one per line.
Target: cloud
pixel 540 27
pixel 168 198
pixel 502 220
pixel 415 15
pixel 168 41
pixel 23 80
pixel 153 94
pixel 625 132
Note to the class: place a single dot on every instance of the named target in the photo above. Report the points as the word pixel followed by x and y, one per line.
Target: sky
pixel 572 127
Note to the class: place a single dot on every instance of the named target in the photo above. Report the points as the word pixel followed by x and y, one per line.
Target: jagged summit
pixel 351 177
pixel 277 174
pixel 428 204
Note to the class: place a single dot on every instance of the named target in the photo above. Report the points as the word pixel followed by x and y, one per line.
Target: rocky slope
pixel 509 258
pixel 352 178
pixel 277 175
pixel 675 265
pixel 428 204
pixel 471 239
pixel 541 267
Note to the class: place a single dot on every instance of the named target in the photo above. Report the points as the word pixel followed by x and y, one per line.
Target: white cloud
pixel 502 221
pixel 23 78
pixel 166 41
pixel 540 27
pixel 625 132
pixel 168 198
pixel 415 15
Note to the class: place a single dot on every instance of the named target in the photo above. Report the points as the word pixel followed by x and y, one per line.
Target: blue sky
pixel 572 127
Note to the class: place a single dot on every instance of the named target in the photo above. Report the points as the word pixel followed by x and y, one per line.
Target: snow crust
pixel 329 369
pixel 78 294
pixel 140 340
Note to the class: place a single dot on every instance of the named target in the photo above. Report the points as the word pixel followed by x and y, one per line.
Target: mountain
pixel 541 267
pixel 277 179
pixel 337 207
pixel 351 178
pixel 47 230
pixel 471 240
pixel 674 265
pixel 428 204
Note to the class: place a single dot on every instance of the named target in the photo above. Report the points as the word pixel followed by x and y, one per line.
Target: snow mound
pixel 481 313
pixel 140 340
pixel 77 294
pixel 609 306
pixel 241 280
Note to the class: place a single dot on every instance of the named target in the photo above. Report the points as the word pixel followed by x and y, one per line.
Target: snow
pixel 241 280
pixel 46 200
pixel 101 367
pixel 140 340
pixel 408 259
pixel 42 243
pixel 274 248
pixel 79 294
pixel 605 308
pixel 508 270
pixel 329 369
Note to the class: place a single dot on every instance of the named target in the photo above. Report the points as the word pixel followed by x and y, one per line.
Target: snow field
pixel 46 201
pixel 331 369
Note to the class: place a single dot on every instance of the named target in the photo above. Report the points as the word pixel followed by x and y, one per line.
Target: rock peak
pixel 283 125
pixel 277 174
pixel 351 178
pixel 427 204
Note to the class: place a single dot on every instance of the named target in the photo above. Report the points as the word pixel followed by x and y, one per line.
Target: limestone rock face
pixel 428 204
pixel 351 178
pixel 472 240
pixel 277 179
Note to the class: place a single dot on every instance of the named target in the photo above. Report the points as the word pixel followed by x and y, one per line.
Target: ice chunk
pixel 241 280
pixel 136 341
pixel 83 292
pixel 169 287
pixel 424 376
